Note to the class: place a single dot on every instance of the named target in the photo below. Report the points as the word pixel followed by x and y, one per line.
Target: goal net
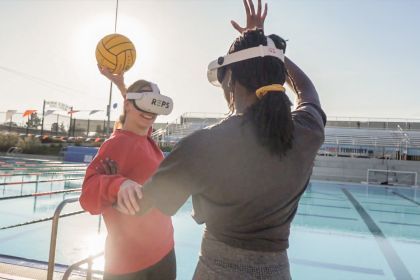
pixel 391 177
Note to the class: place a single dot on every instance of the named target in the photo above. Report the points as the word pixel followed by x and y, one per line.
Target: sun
pixel 87 35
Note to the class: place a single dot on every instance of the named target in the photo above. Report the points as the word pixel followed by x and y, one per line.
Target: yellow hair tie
pixel 263 90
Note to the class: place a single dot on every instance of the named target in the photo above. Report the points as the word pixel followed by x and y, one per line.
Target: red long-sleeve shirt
pixel 133 242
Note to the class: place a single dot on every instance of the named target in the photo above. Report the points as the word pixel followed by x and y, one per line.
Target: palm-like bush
pixel 7 141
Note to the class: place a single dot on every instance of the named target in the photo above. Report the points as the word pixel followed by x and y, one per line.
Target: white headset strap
pixel 260 51
pixel 138 95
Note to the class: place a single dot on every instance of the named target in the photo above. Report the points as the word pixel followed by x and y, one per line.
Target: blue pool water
pixel 341 231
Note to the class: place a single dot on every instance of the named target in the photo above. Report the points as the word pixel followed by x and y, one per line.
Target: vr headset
pixel 151 101
pixel 213 70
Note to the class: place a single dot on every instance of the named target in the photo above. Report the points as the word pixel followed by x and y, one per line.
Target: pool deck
pixel 17 272
pixel 9 271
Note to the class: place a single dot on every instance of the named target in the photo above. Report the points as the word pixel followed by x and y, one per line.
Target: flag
pixel 49 112
pixel 28 113
pixel 94 112
pixel 9 114
pixel 71 112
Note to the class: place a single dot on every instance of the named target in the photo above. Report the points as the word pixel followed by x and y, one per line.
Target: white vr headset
pixel 151 101
pixel 260 51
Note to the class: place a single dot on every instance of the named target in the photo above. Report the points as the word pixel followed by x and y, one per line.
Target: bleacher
pixel 185 125
pixel 372 137
pixel 175 132
pixel 374 134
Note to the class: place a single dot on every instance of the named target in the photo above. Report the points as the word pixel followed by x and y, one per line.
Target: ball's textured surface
pixel 115 52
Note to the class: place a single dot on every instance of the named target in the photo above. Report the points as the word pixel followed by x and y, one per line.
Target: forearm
pixel 100 192
pixel 301 84
pixel 122 89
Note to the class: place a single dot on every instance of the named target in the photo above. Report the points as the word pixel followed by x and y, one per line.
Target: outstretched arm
pixel 297 79
pixel 117 79
pixel 129 191
pixel 301 84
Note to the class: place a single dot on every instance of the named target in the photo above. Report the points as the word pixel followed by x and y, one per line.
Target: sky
pixel 362 55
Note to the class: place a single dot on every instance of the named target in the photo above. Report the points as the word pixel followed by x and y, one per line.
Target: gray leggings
pixel 221 261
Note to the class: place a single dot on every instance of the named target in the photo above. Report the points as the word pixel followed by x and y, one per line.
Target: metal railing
pixel 14 150
pixel 89 271
pixel 54 231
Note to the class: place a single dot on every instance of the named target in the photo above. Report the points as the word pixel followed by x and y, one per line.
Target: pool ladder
pixel 53 244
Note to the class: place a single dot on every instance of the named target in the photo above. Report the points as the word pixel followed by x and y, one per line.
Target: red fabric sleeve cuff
pixel 115 188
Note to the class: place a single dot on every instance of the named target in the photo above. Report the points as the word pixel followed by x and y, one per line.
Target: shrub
pixel 7 141
pixel 31 145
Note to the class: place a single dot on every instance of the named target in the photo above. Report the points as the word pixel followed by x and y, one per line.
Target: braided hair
pixel 271 114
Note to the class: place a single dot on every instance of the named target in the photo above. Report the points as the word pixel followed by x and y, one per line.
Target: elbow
pixel 88 206
pixel 84 204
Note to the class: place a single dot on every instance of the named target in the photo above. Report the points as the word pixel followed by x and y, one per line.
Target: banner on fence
pixel 57 105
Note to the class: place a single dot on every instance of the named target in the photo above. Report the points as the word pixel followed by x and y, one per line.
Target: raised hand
pixel 253 20
pixel 117 79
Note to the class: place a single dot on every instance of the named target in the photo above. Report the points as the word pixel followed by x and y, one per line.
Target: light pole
pixel 108 109
pixel 337 148
pixel 376 152
pixel 405 138
pixel 43 116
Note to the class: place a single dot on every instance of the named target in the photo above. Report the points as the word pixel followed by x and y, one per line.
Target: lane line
pixel 388 204
pixel 323 205
pixel 334 266
pixel 397 266
pixel 400 224
pixel 406 198
pixel 394 212
pixel 328 217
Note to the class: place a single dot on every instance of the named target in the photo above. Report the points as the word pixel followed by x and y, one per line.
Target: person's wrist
pixel 122 89
pixel 254 29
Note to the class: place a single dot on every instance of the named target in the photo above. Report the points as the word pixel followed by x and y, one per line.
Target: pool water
pixel 341 231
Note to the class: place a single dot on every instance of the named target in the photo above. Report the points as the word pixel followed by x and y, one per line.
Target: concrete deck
pixel 24 272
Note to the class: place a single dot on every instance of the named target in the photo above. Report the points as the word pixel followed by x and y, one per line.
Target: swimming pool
pixel 341 231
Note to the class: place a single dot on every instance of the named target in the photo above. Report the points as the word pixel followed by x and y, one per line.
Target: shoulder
pixel 310 116
pixel 117 142
pixel 309 120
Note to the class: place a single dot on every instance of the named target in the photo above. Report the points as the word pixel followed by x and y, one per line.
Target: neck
pixel 243 100
pixel 142 131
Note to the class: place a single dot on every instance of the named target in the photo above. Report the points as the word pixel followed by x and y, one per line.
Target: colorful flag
pixel 71 112
pixel 94 112
pixel 49 112
pixel 28 113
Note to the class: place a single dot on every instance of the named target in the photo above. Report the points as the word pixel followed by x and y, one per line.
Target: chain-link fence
pixel 53 124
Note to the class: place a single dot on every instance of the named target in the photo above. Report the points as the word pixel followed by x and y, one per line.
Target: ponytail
pixel 271 114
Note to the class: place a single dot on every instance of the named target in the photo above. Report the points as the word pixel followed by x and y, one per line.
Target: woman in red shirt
pixel 137 247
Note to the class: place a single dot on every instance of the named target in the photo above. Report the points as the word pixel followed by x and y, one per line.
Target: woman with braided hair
pixel 247 173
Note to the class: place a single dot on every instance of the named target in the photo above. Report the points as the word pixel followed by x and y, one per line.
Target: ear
pixel 127 105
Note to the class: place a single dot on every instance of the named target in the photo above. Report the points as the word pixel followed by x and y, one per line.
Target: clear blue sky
pixel 363 56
